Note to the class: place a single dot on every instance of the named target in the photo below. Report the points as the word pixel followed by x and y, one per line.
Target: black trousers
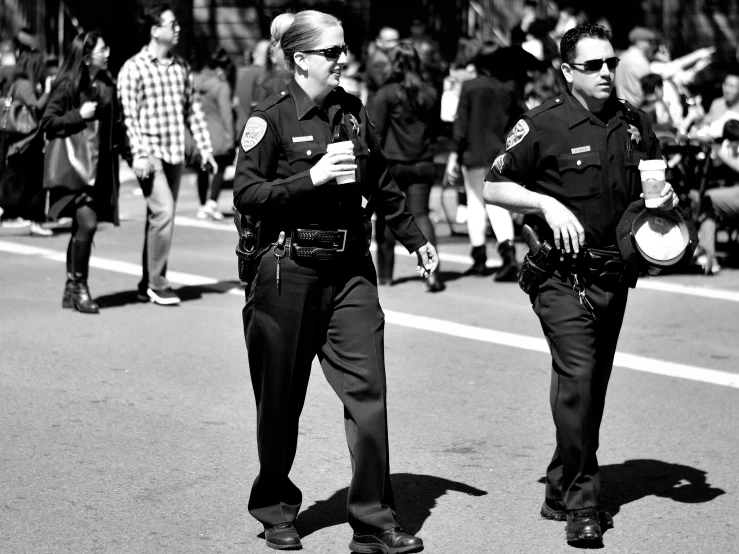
pixel 583 347
pixel 332 310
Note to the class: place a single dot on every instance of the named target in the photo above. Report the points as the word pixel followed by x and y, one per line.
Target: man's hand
pixel 428 260
pixel 568 232
pixel 209 159
pixel 143 167
pixel 670 200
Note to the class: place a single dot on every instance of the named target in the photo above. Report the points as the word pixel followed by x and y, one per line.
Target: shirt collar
pixel 577 113
pixel 150 57
pixel 303 104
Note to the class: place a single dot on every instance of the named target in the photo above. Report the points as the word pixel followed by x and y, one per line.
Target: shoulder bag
pixel 15 117
pixel 72 161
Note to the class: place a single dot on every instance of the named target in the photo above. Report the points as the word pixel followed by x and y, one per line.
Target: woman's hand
pixel 428 260
pixel 87 110
pixel 331 166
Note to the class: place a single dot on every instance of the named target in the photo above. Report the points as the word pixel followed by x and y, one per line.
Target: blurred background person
pixel 276 76
pixel 405 113
pixel 352 79
pixel 433 65
pixel 488 108
pixel 23 196
pixel 634 64
pixel 215 97
pixel 84 91
pixel 378 65
pixel 726 106
pixel 246 78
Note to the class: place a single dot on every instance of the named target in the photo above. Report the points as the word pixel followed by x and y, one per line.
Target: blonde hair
pixel 304 32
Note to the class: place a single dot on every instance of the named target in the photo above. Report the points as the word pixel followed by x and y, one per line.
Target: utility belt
pixel 322 245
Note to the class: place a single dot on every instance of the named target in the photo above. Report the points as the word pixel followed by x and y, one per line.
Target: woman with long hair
pixel 405 113
pixel 84 93
pixel 308 157
pixel 22 192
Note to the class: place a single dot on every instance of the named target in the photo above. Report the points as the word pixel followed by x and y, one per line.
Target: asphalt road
pixel 133 431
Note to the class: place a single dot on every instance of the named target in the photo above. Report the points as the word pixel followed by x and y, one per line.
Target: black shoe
pixel 283 536
pixel 389 541
pixel 583 526
pixel 163 297
pixel 432 284
pixel 479 261
pixel 508 272
pixel 547 512
pixel 68 292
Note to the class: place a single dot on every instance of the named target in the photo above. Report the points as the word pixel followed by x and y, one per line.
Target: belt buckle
pixel 343 242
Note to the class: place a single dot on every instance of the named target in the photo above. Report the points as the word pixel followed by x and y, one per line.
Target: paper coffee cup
pixel 343 146
pixel 652 181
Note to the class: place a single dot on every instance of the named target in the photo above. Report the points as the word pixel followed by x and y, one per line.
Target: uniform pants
pixel 583 347
pixel 329 309
pixel 500 218
pixel 160 192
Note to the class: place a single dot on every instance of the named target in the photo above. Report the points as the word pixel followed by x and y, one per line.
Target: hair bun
pixel 280 25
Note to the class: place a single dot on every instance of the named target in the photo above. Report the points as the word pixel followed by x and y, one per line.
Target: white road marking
pixel 659 284
pixel 422 323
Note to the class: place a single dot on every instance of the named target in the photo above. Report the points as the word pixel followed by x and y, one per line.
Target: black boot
pixel 69 287
pixel 479 260
pixel 509 270
pixel 80 268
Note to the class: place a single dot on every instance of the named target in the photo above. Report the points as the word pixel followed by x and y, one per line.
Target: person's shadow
pixel 186 294
pixel 415 497
pixel 637 479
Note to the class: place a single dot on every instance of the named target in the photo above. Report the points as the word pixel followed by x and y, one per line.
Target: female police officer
pixel 314 289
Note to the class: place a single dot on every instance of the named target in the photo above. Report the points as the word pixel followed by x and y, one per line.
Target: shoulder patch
pixel 499 163
pixel 517 134
pixel 254 132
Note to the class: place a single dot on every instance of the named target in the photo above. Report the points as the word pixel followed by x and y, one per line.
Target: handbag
pixel 16 118
pixel 72 161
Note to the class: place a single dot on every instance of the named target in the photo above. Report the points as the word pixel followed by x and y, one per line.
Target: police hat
pixel 655 238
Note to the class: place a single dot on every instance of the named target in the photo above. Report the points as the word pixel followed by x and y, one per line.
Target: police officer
pixel 314 288
pixel 571 166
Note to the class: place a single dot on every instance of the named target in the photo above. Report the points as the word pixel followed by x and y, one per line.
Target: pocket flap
pixel 304 150
pixel 578 162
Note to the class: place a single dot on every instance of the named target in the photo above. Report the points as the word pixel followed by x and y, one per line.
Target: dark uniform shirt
pixel 285 137
pixel 487 110
pixel 589 164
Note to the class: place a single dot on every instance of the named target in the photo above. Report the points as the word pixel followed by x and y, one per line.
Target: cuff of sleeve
pixel 301 185
pixel 412 238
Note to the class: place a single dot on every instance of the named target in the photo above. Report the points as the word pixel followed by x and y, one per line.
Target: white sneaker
pixel 213 211
pixel 38 230
pixel 202 213
pixel 17 223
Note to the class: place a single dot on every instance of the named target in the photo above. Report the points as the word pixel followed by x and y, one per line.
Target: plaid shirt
pixel 156 100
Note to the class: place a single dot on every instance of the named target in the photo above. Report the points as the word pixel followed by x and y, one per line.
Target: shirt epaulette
pixel 272 100
pixel 548 105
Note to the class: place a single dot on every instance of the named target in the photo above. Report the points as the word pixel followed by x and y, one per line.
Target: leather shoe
pixel 547 512
pixel 583 526
pixel 389 541
pixel 283 536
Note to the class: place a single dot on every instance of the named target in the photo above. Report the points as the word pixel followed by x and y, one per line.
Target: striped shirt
pixel 158 99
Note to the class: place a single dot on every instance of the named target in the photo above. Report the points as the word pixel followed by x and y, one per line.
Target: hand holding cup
pixel 333 165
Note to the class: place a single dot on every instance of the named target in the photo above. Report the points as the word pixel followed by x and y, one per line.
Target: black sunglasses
pixel 595 65
pixel 332 53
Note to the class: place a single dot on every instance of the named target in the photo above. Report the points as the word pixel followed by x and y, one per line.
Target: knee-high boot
pixel 80 269
pixel 69 286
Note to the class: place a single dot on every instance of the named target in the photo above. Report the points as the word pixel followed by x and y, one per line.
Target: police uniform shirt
pixel 285 137
pixel 589 164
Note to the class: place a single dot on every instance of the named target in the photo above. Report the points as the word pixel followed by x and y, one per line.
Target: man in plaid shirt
pixel 158 98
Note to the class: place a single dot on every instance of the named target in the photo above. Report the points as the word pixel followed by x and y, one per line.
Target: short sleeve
pixel 518 161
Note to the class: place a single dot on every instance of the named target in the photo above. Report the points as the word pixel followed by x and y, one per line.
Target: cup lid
pixel 650 165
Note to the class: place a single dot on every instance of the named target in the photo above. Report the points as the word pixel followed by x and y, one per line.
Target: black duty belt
pixel 603 266
pixel 316 244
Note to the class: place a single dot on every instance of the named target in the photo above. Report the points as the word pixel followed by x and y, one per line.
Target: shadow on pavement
pixel 186 294
pixel 444 276
pixel 636 479
pixel 415 497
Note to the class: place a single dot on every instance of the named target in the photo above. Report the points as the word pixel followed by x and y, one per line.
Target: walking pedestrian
pixel 312 287
pixel 215 96
pixel 571 164
pixel 405 114
pixel 22 195
pixel 487 109
pixel 84 92
pixel 158 98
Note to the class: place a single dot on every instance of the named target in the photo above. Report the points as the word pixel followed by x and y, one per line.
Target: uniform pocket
pixel 633 177
pixel 306 152
pixel 581 175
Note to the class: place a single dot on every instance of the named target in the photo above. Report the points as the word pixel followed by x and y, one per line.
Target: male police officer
pixel 571 165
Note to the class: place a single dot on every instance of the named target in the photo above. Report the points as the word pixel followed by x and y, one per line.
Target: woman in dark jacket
pixel 404 112
pixel 23 195
pixel 84 92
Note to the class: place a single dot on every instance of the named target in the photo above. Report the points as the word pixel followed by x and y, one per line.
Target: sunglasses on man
pixel 596 65
pixel 332 52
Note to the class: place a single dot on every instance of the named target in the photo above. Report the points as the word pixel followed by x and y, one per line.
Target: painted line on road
pixel 422 323
pixel 645 283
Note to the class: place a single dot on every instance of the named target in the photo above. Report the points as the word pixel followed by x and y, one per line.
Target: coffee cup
pixel 343 146
pixel 652 181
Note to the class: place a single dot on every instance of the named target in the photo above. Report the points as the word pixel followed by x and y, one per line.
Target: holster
pixel 246 249
pixel 539 264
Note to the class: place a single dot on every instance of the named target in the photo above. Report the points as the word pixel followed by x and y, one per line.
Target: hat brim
pixel 661 237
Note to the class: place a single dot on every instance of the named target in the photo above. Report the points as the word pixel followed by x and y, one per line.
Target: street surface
pixel 133 431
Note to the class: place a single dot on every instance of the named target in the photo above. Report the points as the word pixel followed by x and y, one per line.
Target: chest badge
pixel 635 134
pixel 355 125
